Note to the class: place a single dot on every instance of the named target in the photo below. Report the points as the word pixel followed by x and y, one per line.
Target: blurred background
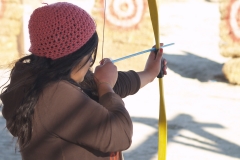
pixel 202 91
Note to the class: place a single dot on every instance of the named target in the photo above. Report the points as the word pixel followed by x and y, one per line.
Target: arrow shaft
pixel 139 53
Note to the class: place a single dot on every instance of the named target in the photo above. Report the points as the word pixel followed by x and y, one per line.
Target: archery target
pixel 1 8
pixel 124 13
pixel 234 19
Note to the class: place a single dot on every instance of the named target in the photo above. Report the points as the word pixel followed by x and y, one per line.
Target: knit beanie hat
pixel 59 29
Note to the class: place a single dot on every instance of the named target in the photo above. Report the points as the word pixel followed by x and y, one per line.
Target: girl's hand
pixel 106 73
pixel 164 61
pixel 153 67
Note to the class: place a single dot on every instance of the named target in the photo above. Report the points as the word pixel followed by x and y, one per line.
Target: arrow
pixel 139 53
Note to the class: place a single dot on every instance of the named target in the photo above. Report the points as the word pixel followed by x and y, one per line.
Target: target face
pixel 124 13
pixel 1 8
pixel 234 19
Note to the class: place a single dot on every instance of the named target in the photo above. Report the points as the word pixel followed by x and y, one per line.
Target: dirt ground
pixel 202 108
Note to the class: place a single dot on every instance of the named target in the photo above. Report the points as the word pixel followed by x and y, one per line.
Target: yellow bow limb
pixel 162 123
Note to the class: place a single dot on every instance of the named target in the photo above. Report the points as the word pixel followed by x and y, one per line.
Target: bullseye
pixel 234 19
pixel 124 13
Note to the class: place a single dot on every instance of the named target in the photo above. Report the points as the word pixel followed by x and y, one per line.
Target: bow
pixel 162 123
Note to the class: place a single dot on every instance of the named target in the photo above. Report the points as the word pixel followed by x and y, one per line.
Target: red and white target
pixel 124 13
pixel 1 8
pixel 234 19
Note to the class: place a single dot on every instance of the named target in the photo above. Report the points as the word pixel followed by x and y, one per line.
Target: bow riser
pixel 162 123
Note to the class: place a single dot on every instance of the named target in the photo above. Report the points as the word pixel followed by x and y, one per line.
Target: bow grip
pixel 161 74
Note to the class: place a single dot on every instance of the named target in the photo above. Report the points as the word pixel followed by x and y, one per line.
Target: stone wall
pixel 230 38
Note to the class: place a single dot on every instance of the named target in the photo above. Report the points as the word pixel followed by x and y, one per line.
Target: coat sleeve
pixel 67 112
pixel 128 83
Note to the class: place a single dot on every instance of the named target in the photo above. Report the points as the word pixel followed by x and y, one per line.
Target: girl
pixel 55 105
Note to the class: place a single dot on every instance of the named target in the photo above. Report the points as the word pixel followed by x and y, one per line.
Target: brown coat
pixel 69 125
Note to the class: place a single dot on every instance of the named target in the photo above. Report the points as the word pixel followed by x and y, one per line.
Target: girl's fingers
pixel 104 61
pixel 165 70
pixel 161 44
pixel 165 61
pixel 160 52
pixel 165 66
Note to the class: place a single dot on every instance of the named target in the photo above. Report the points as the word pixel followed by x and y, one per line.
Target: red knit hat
pixel 59 29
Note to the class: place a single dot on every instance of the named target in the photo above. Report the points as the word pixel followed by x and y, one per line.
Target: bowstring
pixel 103 26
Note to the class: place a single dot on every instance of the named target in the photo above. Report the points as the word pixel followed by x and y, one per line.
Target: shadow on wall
pixel 195 67
pixel 222 146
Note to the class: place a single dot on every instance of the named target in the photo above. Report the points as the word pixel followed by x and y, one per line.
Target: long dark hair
pixel 44 71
